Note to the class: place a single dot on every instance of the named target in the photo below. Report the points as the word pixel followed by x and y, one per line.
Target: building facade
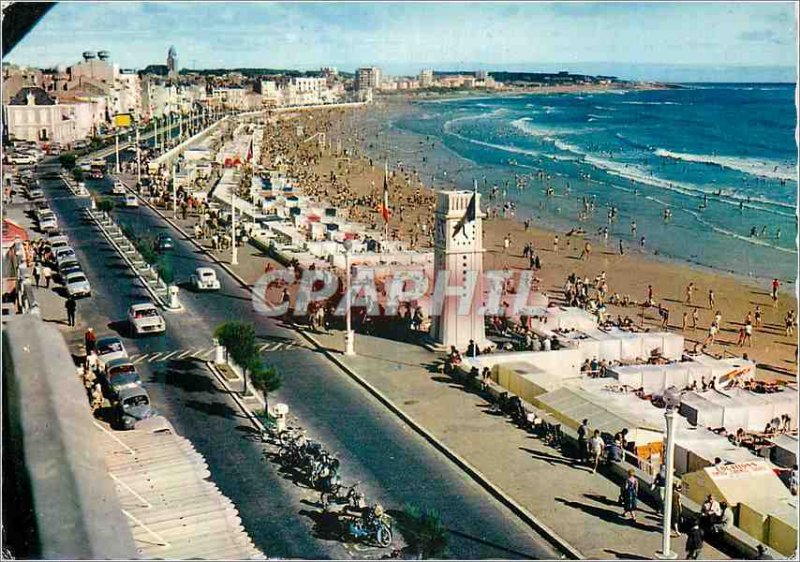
pixel 368 78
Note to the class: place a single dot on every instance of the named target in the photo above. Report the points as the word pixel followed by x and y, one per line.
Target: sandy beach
pixel 343 175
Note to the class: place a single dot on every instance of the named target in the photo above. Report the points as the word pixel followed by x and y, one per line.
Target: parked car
pixel 119 188
pixel 63 254
pixel 205 279
pixel 77 285
pixel 119 374
pixel 144 318
pixel 35 193
pixel 48 221
pixel 131 200
pixel 164 242
pixel 109 348
pixel 132 406
pixel 67 267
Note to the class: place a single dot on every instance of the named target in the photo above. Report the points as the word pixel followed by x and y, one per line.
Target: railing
pixel 58 500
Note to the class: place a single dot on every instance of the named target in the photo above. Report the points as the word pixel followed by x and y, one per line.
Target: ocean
pixel 721 158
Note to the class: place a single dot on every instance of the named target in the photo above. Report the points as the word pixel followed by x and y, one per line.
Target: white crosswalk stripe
pixel 202 353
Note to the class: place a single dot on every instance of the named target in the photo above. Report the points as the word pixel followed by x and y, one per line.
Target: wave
pixel 651 103
pixel 730 233
pixel 754 167
pixel 640 175
pixel 524 124
pixel 448 124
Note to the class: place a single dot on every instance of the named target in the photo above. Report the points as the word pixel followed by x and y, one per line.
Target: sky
pixel 634 40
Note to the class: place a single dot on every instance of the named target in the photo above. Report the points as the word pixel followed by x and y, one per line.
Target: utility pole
pixel 666 553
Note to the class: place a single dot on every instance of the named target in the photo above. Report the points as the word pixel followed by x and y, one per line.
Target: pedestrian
pixel 711 299
pixel 47 273
pixel 70 306
pixel 89 341
pixel 757 315
pixel 677 510
pixel 596 446
pixel 776 284
pixel 748 334
pixel 694 541
pixel 97 397
pixel 659 484
pixel 555 244
pixel 583 440
pixel 689 293
pixel 684 321
pixel 37 272
pixel 695 318
pixel 629 493
pixel 621 250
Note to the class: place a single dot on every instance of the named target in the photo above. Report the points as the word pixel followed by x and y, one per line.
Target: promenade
pixel 579 506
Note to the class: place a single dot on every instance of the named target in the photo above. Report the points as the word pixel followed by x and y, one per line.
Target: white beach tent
pixel 700 411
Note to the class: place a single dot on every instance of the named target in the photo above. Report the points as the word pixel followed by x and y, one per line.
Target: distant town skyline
pixel 643 41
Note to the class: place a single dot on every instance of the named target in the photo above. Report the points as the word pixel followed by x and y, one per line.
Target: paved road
pixel 395 465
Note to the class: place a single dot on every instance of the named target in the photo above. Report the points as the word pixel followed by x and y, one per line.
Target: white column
pixel 665 553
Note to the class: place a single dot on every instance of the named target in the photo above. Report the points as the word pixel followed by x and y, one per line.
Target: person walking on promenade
pixel 90 341
pixel 47 273
pixel 629 494
pixel 677 510
pixel 70 306
pixel 694 541
pixel 583 440
pixel 596 446
pixel 37 273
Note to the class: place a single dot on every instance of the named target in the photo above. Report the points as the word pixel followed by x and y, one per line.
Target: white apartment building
pixel 426 78
pixel 368 77
pixel 33 115
pixel 127 94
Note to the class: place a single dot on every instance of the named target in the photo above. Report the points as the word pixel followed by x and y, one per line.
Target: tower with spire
pixel 172 63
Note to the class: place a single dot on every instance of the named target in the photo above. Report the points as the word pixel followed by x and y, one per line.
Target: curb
pixel 521 512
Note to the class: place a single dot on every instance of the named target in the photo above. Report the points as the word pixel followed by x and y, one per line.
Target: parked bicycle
pixel 338 494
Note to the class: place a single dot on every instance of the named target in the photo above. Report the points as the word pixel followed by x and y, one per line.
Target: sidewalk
pixel 578 505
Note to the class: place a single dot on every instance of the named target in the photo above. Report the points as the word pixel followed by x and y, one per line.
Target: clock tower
pixel 458 270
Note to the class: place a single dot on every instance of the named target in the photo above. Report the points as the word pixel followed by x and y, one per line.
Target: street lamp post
pixel 116 149
pixel 174 192
pixel 234 252
pixel 669 415
pixel 138 161
pixel 349 347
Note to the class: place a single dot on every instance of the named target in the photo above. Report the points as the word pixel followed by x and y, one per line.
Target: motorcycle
pixel 339 494
pixel 372 526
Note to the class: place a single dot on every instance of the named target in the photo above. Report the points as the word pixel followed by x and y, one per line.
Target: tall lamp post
pixel 174 192
pixel 138 160
pixel 116 149
pixel 234 252
pixel 672 398
pixel 349 336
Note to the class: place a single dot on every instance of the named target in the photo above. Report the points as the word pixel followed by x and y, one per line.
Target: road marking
pixel 168 355
pixel 184 354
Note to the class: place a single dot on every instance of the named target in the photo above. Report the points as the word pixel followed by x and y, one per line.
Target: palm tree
pixel 424 532
pixel 266 379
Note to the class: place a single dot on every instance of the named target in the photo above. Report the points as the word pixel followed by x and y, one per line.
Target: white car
pixel 63 254
pixel 23 159
pixel 119 188
pixel 48 222
pixel 205 279
pixel 144 318
pixel 131 200
pixel 77 285
pixel 108 349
